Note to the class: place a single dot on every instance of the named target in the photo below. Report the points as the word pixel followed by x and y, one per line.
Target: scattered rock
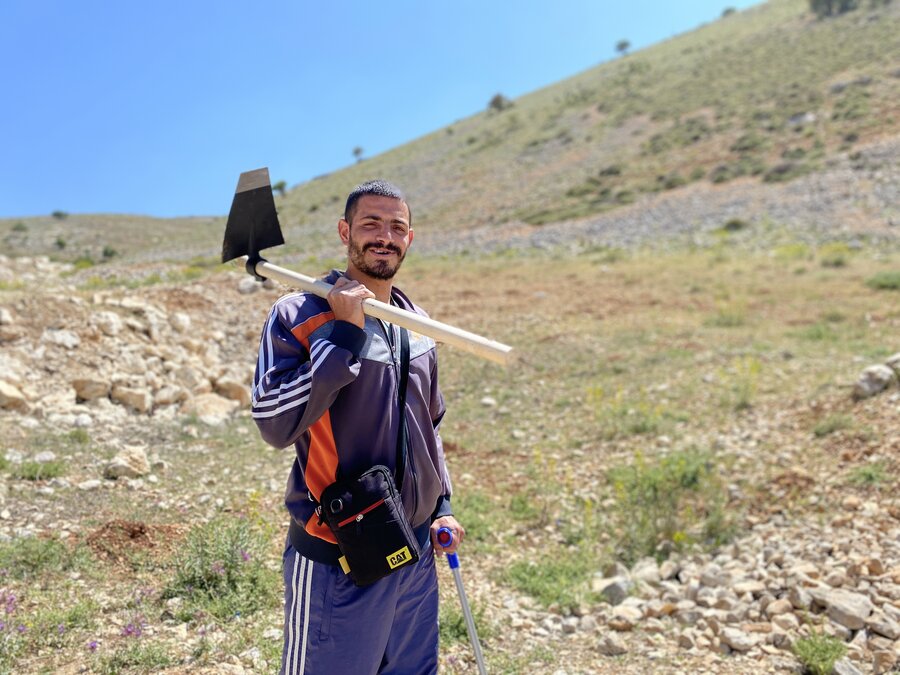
pixel 61 338
pixel 11 398
pixel 873 380
pixel 210 408
pixel 233 389
pixel 737 640
pixel 131 462
pixel 90 389
pixel 845 667
pixel 133 397
pixel 613 590
pixel 109 323
pixel 612 645
pixel 89 485
pixel 248 285
pixel 847 608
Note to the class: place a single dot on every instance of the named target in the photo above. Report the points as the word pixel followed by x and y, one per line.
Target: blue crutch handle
pixel 445 538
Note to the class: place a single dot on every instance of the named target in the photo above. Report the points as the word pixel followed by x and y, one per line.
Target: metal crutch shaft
pixel 445 538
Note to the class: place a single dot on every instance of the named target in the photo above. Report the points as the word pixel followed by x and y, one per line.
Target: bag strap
pixel 403 432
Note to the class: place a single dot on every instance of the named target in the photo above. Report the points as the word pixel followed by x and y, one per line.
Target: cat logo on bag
pixel 394 560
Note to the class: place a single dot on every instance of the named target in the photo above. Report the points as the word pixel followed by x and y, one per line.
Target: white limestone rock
pixel 130 462
pixel 874 380
pixel 11 398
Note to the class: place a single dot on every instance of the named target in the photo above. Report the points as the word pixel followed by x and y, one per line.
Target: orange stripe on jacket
pixel 321 468
pixel 322 460
pixel 305 329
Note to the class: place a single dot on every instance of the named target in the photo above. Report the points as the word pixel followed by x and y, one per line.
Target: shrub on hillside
pixel 823 8
pixel 220 572
pixel 667 504
pixel 835 254
pixel 499 103
pixel 785 171
pixel 885 281
pixel 819 652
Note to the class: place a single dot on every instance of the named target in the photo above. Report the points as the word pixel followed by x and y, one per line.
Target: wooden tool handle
pixel 441 332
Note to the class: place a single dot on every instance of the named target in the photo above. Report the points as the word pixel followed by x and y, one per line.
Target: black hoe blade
pixel 252 222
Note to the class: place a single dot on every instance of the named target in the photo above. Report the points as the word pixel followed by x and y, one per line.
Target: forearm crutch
pixel 445 538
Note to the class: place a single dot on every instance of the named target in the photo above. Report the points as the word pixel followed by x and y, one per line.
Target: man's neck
pixel 380 287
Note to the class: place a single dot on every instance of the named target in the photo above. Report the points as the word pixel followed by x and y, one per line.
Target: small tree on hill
pixel 823 8
pixel 622 46
pixel 358 153
pixel 499 103
pixel 280 187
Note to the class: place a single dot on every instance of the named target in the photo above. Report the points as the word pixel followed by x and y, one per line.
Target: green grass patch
pixel 728 315
pixel 885 281
pixel 560 577
pixel 31 557
pixel 792 252
pixel 869 475
pixel 56 627
pixel 39 470
pixel 667 504
pixel 621 416
pixel 78 436
pixel 220 572
pixel 817 332
pixel 452 623
pixel 819 652
pixel 744 383
pixel 136 655
pixel 831 424
pixel 834 254
pixel 477 513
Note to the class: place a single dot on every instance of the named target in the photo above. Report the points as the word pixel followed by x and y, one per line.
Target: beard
pixel 380 269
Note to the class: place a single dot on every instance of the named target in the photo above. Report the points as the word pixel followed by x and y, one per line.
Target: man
pixel 326 381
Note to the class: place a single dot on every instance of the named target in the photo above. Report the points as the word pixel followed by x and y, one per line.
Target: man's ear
pixel 344 231
pixel 411 234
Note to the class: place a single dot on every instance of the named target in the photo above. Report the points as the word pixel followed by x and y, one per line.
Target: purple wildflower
pixel 245 556
pixel 92 645
pixel 218 568
pixel 61 629
pixel 2 626
pixel 21 628
pixel 131 630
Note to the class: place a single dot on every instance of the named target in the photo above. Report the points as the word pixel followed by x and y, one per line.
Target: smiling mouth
pixel 381 251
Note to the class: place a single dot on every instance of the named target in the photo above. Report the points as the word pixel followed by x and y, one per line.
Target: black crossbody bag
pixel 366 513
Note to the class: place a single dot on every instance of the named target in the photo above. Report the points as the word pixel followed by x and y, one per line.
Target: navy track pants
pixel 333 627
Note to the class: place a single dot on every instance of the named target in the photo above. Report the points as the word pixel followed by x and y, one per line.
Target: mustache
pixel 390 247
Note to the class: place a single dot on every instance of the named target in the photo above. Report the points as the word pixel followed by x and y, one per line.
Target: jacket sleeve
pixel 295 383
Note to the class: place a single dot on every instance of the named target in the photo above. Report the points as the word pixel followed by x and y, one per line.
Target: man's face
pixel 378 236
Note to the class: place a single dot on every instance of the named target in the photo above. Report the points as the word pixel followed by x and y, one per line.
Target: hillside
pixel 755 100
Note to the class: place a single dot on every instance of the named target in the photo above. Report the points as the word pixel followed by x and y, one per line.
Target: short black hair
pixel 379 188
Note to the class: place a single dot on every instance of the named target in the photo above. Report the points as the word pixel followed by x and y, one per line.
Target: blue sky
pixel 155 108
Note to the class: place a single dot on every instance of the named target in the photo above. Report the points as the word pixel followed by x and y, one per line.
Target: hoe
pixel 253 226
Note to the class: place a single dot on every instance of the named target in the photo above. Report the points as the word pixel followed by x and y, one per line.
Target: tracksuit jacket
pixel 330 389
